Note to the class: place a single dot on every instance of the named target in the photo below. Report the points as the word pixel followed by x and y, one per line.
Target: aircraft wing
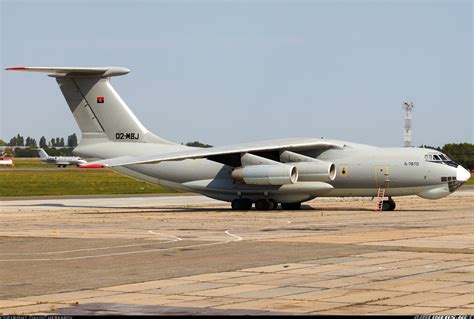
pixel 217 152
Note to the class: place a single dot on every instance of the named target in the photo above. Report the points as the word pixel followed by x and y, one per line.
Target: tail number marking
pixel 127 136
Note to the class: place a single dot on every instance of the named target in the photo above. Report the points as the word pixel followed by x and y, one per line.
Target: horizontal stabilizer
pixel 75 71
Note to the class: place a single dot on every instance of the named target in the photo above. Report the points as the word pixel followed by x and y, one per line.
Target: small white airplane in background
pixel 60 160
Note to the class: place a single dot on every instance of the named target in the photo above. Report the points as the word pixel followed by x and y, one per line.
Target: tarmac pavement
pixel 193 255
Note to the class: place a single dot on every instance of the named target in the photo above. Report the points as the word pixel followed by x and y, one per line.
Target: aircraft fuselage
pixel 360 171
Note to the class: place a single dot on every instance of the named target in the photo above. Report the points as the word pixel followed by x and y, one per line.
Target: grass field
pixel 29 162
pixel 71 182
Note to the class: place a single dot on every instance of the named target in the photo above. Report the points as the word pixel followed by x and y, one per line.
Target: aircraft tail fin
pixel 97 108
pixel 42 153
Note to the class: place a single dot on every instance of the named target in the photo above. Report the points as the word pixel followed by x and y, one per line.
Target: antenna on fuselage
pixel 408 122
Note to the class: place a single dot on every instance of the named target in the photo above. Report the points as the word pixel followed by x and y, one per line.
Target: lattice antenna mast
pixel 408 122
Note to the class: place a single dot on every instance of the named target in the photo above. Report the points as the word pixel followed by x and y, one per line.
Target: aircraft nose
pixel 462 174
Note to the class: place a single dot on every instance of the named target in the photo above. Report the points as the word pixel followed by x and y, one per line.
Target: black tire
pixel 246 204
pixel 263 204
pixel 388 205
pixel 241 204
pixel 236 204
pixel 291 206
pixel 275 204
pixel 392 204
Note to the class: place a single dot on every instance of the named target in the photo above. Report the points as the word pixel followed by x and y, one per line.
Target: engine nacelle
pixel 279 174
pixel 316 171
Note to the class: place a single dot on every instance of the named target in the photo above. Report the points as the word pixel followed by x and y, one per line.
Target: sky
pixel 225 72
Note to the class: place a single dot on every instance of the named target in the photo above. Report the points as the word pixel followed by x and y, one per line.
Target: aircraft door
pixel 381 175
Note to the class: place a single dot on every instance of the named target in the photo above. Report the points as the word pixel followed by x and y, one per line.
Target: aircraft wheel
pixel 236 204
pixel 274 204
pixel 388 205
pixel 391 203
pixel 241 204
pixel 263 204
pixel 291 206
pixel 246 204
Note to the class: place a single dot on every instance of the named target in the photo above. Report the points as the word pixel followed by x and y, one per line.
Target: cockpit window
pixel 440 158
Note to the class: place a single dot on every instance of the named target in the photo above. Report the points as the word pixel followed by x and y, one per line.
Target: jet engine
pixel 309 168
pixel 316 171
pixel 278 174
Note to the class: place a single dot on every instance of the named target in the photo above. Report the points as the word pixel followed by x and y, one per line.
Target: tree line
pixel 19 140
pixel 56 146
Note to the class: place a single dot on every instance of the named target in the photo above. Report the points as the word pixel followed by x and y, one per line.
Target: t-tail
pixel 42 153
pixel 97 108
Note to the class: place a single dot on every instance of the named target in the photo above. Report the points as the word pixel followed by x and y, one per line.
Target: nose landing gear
pixel 388 205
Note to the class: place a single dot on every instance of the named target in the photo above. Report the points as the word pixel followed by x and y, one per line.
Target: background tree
pixel 198 144
pixel 30 142
pixel 26 152
pixel 72 140
pixel 42 142
pixel 462 153
pixel 17 141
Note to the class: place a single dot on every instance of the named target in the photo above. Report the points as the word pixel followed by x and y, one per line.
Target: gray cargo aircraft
pixel 60 160
pixel 267 173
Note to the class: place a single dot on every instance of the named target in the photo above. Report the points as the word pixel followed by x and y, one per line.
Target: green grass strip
pixel 71 182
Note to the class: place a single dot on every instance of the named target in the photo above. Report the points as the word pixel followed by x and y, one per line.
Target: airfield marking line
pixel 87 249
pixel 98 248
pixel 238 238
pixel 155 233
pixel 126 253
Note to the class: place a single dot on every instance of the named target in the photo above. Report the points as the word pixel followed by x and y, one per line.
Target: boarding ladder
pixel 381 193
pixel 380 197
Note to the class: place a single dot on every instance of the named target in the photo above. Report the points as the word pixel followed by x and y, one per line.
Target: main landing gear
pixel 262 204
pixel 291 206
pixel 389 204
pixel 266 204
pixel 241 204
